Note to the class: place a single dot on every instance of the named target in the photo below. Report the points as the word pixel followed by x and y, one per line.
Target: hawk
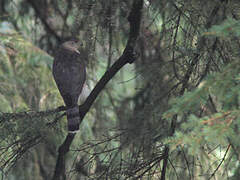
pixel 69 74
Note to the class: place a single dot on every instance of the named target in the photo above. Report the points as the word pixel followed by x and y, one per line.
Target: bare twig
pixel 223 159
pixel 174 46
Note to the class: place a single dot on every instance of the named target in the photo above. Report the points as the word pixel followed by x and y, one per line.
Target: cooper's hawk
pixel 69 74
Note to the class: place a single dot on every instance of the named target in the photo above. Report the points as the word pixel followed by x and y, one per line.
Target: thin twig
pixel 213 174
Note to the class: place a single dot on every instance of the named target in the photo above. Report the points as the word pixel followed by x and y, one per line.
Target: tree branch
pixel 128 56
pixel 223 159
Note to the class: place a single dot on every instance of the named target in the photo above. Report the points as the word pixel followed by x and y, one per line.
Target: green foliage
pixel 227 28
pixel 26 83
pixel 211 128
pixel 25 71
pixel 126 132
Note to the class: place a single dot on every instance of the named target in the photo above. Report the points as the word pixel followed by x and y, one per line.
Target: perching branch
pixel 128 56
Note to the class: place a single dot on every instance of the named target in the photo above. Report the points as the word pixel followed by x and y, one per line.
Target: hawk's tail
pixel 73 119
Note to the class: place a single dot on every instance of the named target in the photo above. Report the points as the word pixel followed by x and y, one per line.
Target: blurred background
pixel 172 114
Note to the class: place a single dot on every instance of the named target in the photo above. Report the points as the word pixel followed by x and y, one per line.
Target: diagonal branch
pixel 223 159
pixel 128 56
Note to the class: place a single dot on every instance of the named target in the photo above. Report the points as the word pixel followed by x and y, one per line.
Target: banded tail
pixel 73 118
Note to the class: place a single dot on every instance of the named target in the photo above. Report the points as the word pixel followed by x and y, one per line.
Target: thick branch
pixel 127 57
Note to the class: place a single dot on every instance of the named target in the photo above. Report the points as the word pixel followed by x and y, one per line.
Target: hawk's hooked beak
pixel 77 51
pixel 79 44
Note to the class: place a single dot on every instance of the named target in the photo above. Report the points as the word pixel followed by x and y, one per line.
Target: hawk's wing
pixel 70 75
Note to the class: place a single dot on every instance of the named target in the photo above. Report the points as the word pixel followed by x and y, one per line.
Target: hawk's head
pixel 71 46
